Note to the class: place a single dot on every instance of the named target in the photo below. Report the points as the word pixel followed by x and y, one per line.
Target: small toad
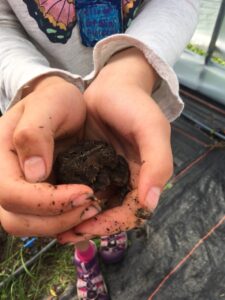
pixel 96 164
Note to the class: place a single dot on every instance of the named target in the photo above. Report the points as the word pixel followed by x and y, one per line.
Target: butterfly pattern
pixel 130 10
pixel 57 18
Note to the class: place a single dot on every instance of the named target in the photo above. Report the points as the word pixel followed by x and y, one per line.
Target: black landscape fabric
pixel 186 214
pixel 180 252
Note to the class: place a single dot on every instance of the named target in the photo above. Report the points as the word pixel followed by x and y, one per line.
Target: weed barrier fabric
pixel 186 214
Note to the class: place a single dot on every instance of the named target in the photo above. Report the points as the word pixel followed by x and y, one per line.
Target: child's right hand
pixel 53 110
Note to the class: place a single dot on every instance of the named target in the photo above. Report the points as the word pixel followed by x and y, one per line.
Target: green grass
pixel 49 275
pixel 196 49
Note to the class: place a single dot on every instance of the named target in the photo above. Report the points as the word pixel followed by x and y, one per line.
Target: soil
pixel 96 164
pixel 143 214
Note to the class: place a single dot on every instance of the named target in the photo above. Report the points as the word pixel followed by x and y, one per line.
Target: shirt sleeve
pixel 20 60
pixel 161 31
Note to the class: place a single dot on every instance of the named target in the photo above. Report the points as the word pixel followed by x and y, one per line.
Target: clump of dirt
pixel 143 214
pixel 96 164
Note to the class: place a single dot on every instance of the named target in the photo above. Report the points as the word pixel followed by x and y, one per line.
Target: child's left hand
pixel 121 112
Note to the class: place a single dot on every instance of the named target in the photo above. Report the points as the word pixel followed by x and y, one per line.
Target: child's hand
pixel 54 110
pixel 121 112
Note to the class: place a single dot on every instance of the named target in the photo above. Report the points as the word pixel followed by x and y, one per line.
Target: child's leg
pixel 90 282
pixel 113 247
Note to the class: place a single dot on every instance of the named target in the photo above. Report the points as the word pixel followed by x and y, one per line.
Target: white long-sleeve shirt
pixel 161 29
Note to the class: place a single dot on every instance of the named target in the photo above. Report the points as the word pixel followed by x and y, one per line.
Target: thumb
pixel 157 162
pixel 47 115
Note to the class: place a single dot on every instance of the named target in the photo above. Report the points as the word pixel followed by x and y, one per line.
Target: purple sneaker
pixel 112 248
pixel 90 282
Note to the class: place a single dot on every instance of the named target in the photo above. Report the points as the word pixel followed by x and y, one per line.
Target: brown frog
pixel 96 164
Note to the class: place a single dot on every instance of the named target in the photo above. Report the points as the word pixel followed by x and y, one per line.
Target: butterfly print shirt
pixel 40 37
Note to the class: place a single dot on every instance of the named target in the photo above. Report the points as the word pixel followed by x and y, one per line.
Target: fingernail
pixel 82 199
pixel 34 169
pixel 90 212
pixel 152 198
